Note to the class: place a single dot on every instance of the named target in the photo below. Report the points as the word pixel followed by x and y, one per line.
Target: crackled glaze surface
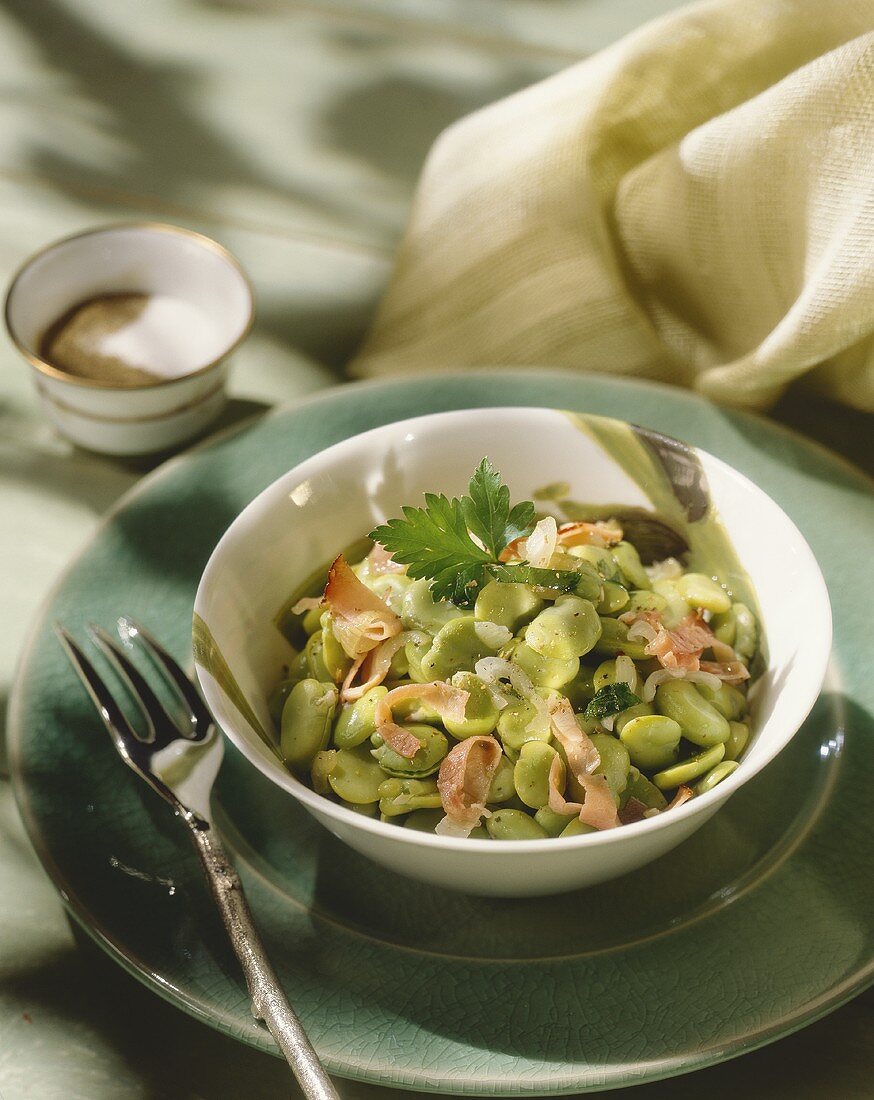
pixel 758 924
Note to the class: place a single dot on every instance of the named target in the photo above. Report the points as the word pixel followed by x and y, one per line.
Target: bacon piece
pixel 380 561
pixel 589 534
pixel 730 672
pixel 598 807
pixel 464 780
pixel 683 794
pixel 448 701
pixel 374 666
pixel 361 620
pixel 679 649
pixel 633 810
pixel 556 784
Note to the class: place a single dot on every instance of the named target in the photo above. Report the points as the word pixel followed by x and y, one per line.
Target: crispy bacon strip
pixel 597 807
pixel 679 649
pixel 589 534
pixel 372 666
pixel 683 794
pixel 731 672
pixel 360 618
pixel 381 561
pixel 557 780
pixel 463 782
pixel 633 810
pixel 448 701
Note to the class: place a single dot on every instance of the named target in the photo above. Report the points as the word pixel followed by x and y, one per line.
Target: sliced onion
pixel 662 675
pixel 541 543
pixel 626 673
pixel 308 603
pixel 491 634
pixel 640 628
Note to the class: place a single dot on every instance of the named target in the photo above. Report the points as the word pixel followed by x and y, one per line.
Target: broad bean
pixel 315 662
pixel 425 821
pixel 509 605
pixel 737 741
pixel 306 722
pixel 716 775
pixel 702 723
pixel 686 770
pixel 615 763
pixel 644 600
pixel 569 628
pixel 402 796
pixel 480 712
pixel 502 788
pixel 531 773
pixel 630 566
pixel 644 791
pixel 456 647
pixel 546 672
pixel 614 598
pixel 517 724
pixel 699 590
pixel 425 762
pixel 357 721
pixel 577 828
pixel 730 702
pixel 514 825
pixel 652 741
pixel 553 823
pixel 356 776
pixel 614 640
pixel 420 610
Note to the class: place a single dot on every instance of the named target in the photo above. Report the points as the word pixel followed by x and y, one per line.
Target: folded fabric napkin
pixel 694 204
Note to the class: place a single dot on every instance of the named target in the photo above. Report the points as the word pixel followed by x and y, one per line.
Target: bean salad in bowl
pixel 516 674
pixel 482 672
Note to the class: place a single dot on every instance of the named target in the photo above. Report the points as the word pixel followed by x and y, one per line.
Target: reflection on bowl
pixel 303 519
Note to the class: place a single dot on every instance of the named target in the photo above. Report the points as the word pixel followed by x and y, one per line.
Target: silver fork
pixel 181 765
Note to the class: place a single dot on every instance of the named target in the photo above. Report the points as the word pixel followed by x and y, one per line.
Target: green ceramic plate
pixel 757 925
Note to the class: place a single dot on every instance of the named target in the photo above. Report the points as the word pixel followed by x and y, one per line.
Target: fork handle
pixel 269 1003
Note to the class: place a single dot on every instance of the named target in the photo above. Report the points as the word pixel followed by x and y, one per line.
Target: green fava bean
pixel 509 605
pixel 702 724
pixel 366 809
pixel 321 767
pixel 600 560
pixel 606 673
pixel 357 721
pixel 414 651
pixel 306 722
pixel 402 796
pixel 570 628
pixel 730 702
pixel 687 770
pixel 625 716
pixel 737 741
pixel 614 640
pixel 589 582
pixel 312 620
pixel 644 600
pixel 277 697
pixel 716 775
pixel 613 599
pixel 333 655
pixel 425 762
pixel 315 663
pixel 699 590
pixel 724 627
pixel 577 828
pixel 546 672
pixel 391 589
pixel 531 773
pixel 630 566
pixel 553 823
pixel 457 647
pixel 581 690
pixel 514 825
pixel 356 777
pixel 644 791
pixel 425 821
pixel 420 610
pixel 615 763
pixel 746 637
pixel 513 726
pixel 502 788
pixel 652 741
pixel 480 712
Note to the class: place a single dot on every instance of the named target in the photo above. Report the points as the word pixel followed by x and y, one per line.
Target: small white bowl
pixel 335 497
pixel 142 259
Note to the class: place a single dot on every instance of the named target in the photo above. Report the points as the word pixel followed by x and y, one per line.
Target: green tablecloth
pixel 292 132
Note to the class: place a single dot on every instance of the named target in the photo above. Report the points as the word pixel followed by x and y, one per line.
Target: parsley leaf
pixel 611 700
pixel 457 543
pixel 488 514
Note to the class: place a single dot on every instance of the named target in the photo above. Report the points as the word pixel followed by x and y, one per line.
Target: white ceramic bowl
pixel 132 258
pixel 332 499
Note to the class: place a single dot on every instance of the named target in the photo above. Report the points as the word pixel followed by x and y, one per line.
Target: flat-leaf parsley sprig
pixel 457 542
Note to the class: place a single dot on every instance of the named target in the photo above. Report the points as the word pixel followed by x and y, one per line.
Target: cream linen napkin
pixel 694 204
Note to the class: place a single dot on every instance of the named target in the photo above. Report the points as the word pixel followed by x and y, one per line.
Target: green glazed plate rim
pixel 459 390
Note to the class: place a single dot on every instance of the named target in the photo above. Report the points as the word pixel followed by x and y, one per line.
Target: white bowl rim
pixel 713 798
